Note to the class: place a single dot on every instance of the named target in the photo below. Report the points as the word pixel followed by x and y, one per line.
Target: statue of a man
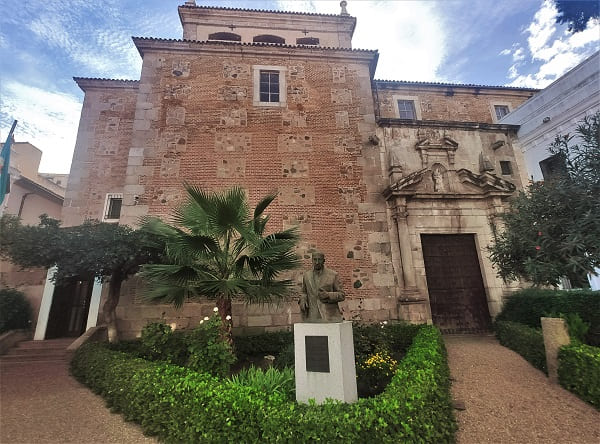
pixel 321 292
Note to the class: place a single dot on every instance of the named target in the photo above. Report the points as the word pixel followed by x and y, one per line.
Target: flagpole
pixel 4 168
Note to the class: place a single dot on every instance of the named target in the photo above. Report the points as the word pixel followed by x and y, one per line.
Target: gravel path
pixel 41 403
pixel 509 401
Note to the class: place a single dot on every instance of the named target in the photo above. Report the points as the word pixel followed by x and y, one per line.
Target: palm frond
pixel 217 249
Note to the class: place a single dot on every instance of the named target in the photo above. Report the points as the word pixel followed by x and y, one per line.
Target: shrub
pixel 526 341
pixel 180 405
pixel 272 343
pixel 374 373
pixel 579 371
pixel 15 310
pixel 396 338
pixel 205 348
pixel 271 380
pixel 209 349
pixel 154 339
pixel 577 327
pixel 286 357
pixel 528 306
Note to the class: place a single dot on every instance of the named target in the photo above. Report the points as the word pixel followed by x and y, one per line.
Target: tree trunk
pixel 224 306
pixel 110 306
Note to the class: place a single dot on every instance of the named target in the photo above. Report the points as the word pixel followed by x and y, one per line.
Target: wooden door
pixel 69 310
pixel 456 292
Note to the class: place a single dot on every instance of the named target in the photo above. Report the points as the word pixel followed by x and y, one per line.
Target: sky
pixel 44 44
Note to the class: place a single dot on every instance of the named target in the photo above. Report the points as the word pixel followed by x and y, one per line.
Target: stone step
pixel 56 344
pixel 5 363
pixel 36 352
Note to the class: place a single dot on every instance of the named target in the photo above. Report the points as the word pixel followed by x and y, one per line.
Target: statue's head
pixel 318 260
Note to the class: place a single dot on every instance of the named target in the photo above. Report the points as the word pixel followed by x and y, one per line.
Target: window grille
pixel 406 109
pixel 269 86
pixel 501 111
pixel 112 208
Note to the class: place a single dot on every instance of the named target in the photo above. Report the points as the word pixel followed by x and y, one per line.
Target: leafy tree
pixel 576 13
pixel 216 249
pixel 110 252
pixel 553 229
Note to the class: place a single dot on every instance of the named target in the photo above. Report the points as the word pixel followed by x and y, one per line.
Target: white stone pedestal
pixel 556 335
pixel 325 362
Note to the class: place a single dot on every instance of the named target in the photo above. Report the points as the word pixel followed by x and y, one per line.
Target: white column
pixel 92 319
pixel 42 322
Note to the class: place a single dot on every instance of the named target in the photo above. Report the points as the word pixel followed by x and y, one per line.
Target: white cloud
pixel 45 119
pixel 543 26
pixel 518 55
pixel 505 52
pixel 554 48
pixel 104 52
pixel 409 35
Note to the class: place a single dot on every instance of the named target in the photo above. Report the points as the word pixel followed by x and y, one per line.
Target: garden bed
pixel 182 405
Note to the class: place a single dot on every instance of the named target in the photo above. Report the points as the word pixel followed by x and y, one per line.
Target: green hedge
pixel 579 371
pixel 528 306
pixel 526 341
pixel 180 405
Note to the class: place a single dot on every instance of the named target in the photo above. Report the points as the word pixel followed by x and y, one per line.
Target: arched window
pixel 228 36
pixel 307 41
pixel 266 38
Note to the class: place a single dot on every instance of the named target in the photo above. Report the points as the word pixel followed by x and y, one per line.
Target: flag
pixel 5 163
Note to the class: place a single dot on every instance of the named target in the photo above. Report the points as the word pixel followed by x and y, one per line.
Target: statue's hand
pixel 303 302
pixel 337 296
pixel 323 296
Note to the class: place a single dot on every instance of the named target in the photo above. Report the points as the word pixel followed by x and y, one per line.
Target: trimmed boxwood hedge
pixel 529 305
pixel 526 341
pixel 579 371
pixel 180 405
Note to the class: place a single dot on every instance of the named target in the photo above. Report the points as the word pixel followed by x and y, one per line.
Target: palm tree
pixel 216 250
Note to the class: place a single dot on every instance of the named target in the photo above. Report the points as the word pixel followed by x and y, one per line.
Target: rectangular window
pixel 112 208
pixel 269 86
pixel 501 111
pixel 506 167
pixel 406 109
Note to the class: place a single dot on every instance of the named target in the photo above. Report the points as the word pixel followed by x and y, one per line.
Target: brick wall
pixel 460 104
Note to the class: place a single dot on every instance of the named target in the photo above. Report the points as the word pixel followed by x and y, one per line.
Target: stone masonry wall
pixel 202 127
pixel 101 150
pixel 459 104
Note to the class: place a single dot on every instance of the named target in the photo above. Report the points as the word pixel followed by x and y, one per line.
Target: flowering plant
pixel 208 346
pixel 375 372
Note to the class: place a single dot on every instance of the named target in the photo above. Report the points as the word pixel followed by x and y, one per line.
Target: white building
pixel 557 109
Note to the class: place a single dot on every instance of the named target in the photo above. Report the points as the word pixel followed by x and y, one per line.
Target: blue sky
pixel 43 44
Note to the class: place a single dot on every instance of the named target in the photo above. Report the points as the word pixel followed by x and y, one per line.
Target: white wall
pixel 565 102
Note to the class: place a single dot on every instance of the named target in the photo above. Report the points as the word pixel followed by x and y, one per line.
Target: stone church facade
pixel 396 182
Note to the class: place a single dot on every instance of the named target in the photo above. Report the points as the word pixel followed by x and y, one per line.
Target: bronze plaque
pixel 317 354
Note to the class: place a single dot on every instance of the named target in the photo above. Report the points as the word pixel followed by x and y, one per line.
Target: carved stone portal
pixel 432 145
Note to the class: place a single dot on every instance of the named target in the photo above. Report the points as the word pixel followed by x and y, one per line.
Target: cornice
pixel 389 122
pixel 86 83
pixel 146 44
